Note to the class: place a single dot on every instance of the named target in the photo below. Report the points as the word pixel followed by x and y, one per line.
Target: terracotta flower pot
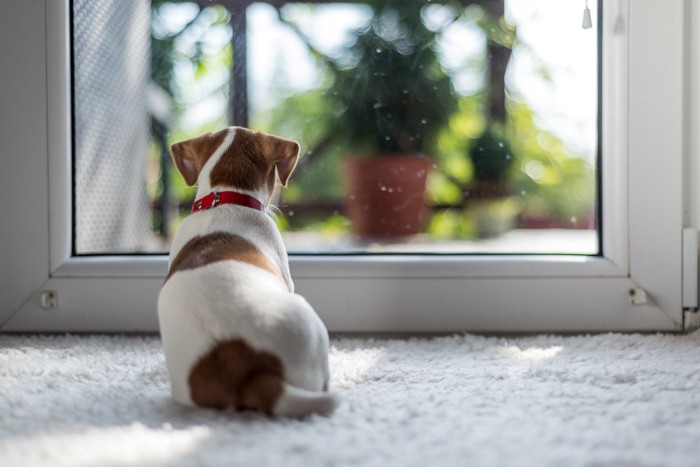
pixel 385 195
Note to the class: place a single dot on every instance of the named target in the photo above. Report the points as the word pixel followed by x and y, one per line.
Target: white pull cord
pixel 587 22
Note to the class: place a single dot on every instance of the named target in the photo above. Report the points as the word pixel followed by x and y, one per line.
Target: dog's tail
pixel 292 401
pixel 297 402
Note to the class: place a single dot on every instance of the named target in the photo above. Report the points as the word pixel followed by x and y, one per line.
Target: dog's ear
pixel 283 154
pixel 184 159
pixel 191 155
pixel 287 158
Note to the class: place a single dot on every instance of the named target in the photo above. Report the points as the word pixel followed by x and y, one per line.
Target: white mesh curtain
pixel 112 128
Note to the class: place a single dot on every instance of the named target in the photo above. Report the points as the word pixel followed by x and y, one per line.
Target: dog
pixel 234 333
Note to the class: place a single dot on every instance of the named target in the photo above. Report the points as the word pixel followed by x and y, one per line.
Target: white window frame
pixel 649 240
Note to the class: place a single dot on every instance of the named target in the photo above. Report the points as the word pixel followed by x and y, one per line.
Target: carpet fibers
pixel 618 400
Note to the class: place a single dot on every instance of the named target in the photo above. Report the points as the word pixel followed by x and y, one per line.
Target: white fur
pixel 230 299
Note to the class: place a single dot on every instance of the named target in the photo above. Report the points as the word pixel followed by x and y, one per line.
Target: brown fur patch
pixel 196 151
pixel 243 165
pixel 233 374
pixel 220 246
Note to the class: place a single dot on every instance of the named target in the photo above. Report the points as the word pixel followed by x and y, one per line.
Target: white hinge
pixel 691 320
pixel 637 296
pixel 691 317
pixel 49 299
pixel 690 269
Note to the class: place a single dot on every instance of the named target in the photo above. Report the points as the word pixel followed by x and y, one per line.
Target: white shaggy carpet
pixel 618 400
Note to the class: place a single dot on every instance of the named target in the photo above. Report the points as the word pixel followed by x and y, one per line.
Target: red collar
pixel 214 199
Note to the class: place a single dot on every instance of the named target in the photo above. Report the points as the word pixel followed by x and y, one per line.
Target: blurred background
pixel 426 126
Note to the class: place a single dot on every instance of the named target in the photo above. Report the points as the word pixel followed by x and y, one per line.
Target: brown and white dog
pixel 235 334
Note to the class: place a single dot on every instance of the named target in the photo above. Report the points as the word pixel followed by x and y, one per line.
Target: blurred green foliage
pixel 553 182
pixel 395 94
pixel 491 155
pixel 392 94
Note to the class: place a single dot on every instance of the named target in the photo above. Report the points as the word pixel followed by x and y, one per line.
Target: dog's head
pixel 237 158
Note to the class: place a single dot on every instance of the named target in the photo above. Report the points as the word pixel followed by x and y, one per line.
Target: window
pixel 643 279
pixel 454 127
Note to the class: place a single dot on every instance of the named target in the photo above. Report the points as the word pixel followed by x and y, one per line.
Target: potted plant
pixel 490 197
pixel 393 98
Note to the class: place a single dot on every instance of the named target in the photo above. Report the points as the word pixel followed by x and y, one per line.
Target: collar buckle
pixel 216 200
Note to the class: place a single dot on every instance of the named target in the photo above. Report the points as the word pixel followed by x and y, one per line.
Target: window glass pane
pixel 441 127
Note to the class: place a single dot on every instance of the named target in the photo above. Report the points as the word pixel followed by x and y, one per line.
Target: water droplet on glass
pixel 290 213
pixel 424 121
pixel 391 190
pixel 387 138
pixel 500 144
pixel 378 50
pixel 383 188
pixel 377 105
pixel 573 219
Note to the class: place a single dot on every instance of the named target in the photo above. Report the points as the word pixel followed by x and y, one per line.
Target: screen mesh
pixel 112 129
